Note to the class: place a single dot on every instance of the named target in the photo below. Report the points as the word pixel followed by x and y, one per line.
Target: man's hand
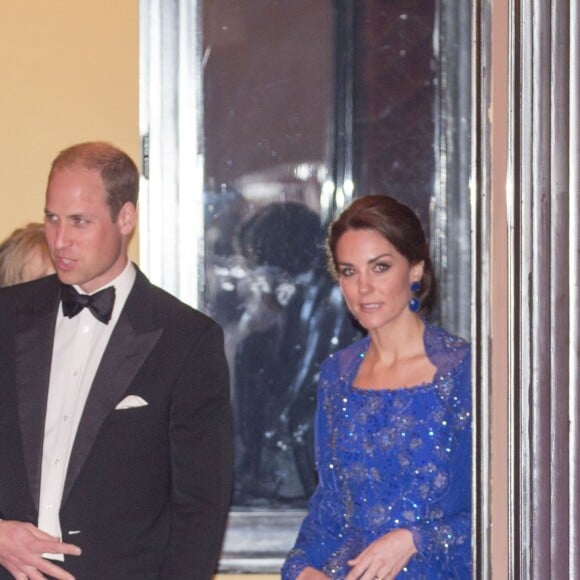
pixel 384 558
pixel 21 549
pixel 312 574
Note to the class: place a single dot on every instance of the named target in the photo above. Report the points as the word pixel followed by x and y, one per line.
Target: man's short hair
pixel 117 170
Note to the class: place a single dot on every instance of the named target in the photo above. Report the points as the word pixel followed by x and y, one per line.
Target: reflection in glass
pixel 267 109
pixel 288 109
pixel 305 105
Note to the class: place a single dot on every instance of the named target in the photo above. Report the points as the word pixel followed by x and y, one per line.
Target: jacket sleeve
pixel 201 444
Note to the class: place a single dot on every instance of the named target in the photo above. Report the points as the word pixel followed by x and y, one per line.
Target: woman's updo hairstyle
pixel 398 224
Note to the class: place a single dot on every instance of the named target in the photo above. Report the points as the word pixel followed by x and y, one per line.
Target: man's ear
pixel 127 218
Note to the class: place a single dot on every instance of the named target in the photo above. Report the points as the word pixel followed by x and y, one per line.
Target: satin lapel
pixel 33 340
pixel 123 357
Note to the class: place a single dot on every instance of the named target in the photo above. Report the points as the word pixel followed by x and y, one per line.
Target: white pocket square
pixel 131 402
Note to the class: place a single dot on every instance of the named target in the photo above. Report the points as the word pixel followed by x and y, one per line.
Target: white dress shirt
pixel 79 344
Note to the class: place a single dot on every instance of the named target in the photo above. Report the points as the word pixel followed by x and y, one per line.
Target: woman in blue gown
pixel 393 421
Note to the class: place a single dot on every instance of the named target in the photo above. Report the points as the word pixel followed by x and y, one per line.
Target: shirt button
pixel 65 418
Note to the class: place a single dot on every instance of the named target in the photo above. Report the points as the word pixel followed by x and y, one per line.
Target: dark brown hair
pixel 398 224
pixel 117 170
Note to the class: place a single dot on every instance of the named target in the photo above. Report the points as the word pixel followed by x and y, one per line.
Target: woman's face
pixel 375 278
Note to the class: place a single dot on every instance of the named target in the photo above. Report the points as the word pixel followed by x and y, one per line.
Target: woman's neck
pixel 403 339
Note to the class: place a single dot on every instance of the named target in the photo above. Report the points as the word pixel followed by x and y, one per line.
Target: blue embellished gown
pixel 392 458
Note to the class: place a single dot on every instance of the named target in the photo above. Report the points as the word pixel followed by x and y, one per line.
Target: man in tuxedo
pixel 115 420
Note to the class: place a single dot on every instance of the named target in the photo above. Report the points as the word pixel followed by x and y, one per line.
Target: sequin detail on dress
pixel 392 458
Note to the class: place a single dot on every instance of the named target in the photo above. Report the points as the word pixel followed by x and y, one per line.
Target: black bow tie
pixel 100 303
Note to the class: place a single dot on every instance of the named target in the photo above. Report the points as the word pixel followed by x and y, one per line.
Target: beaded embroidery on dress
pixel 392 458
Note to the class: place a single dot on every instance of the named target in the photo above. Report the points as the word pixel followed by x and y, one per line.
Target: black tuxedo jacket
pixel 147 489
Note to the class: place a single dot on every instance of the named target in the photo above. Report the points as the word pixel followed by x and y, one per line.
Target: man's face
pixel 87 247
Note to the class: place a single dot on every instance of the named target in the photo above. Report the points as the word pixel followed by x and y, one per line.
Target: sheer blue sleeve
pixel 314 544
pixel 443 540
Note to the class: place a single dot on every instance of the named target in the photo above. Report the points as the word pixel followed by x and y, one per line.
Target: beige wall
pixel 69 73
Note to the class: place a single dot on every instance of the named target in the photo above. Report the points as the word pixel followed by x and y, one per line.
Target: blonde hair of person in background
pixel 24 256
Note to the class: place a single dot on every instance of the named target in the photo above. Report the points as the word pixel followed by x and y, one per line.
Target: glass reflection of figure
pixel 224 267
pixel 292 319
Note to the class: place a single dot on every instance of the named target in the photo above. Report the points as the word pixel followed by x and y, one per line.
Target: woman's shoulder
pixel 445 350
pixel 438 335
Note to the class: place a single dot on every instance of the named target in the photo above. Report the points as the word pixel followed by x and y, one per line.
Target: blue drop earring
pixel 415 303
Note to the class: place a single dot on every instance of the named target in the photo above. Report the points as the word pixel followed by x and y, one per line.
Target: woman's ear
pixel 417 271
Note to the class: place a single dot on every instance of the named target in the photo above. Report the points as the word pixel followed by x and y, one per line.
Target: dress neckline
pixel 423 386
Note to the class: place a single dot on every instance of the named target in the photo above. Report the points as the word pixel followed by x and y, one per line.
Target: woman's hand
pixel 384 558
pixel 312 574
